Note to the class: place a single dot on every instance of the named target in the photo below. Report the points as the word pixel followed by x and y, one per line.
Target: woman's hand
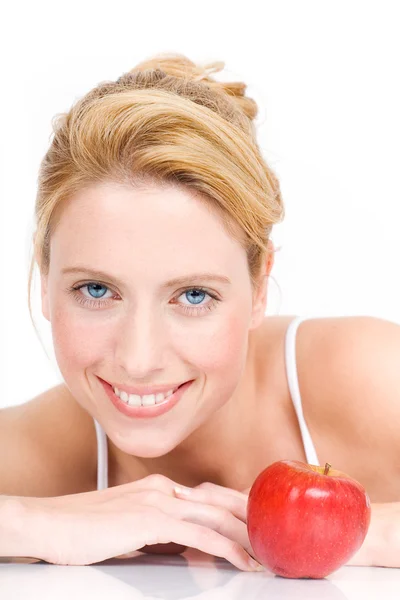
pixel 381 547
pixel 82 529
pixel 209 493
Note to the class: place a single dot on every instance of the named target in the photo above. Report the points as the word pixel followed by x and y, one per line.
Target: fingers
pixel 225 512
pixel 219 510
pixel 231 500
pixel 208 493
pixel 206 540
pixel 217 518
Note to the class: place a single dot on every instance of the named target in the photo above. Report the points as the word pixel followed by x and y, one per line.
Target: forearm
pixel 17 532
pixel 381 547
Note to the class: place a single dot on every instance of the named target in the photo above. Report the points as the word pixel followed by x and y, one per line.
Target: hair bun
pixel 178 65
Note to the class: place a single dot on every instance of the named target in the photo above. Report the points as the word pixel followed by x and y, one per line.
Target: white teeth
pixel 134 400
pixel 146 400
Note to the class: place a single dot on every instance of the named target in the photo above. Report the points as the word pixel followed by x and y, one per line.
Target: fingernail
pixel 255 565
pixel 183 491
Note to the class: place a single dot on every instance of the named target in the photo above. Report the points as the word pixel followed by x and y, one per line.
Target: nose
pixel 140 344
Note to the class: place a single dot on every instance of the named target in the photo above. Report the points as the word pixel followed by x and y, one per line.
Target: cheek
pixel 218 346
pixel 78 343
pixel 218 354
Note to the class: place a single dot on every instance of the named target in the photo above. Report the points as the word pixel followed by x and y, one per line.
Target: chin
pixel 148 449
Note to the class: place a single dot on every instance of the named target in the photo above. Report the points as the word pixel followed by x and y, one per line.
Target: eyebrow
pixel 184 279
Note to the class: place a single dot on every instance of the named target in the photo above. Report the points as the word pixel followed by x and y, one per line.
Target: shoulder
pixel 343 362
pixel 69 433
pixel 349 383
pixel 334 355
pixel 63 436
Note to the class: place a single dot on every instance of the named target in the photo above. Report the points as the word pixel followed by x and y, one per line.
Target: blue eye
pixel 198 295
pixel 96 292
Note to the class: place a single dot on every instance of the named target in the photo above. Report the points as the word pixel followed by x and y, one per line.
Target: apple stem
pixel 327 467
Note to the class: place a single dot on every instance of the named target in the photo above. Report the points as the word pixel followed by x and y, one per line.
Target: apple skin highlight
pixel 306 521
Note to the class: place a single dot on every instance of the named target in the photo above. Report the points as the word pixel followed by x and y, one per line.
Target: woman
pixel 154 214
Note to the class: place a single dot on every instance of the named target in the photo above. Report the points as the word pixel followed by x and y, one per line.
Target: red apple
pixel 305 521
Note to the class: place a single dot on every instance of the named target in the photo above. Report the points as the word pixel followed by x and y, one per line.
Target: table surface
pixel 193 574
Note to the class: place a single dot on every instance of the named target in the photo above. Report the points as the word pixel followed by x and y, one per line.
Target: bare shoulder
pixel 348 376
pixel 50 446
pixel 326 349
pixel 336 357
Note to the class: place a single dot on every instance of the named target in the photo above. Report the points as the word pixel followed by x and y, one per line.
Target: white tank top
pixel 291 372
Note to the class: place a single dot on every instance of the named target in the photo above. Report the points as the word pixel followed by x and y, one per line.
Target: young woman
pixel 154 214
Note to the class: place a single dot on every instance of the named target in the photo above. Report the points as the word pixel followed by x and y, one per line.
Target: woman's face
pixel 128 327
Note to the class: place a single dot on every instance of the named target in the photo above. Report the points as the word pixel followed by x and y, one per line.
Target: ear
pixel 260 297
pixel 44 293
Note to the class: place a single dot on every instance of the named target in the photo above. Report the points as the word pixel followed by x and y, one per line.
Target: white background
pixel 326 78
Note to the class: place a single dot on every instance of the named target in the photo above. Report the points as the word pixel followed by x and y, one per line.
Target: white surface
pixel 190 575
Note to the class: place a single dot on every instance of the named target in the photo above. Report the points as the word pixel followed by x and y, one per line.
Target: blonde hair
pixel 166 121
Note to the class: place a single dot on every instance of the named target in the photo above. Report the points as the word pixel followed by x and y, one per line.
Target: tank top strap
pixel 292 378
pixel 102 458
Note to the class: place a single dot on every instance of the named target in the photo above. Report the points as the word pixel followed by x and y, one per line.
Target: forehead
pixel 115 224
